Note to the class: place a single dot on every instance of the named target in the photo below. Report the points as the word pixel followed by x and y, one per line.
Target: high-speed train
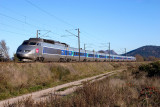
pixel 38 49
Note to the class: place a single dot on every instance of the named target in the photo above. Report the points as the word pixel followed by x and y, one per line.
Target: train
pixel 45 50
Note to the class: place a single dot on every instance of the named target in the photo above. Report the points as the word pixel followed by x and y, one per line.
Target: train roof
pixel 47 41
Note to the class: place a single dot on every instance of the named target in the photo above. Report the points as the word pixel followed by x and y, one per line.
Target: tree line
pixel 140 58
pixel 4 51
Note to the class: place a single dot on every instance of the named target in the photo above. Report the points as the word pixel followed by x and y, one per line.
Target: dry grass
pixel 126 89
pixel 20 78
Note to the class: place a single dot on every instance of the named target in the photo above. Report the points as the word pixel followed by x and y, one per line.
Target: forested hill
pixel 146 51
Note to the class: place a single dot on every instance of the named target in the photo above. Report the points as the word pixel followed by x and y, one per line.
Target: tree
pixel 139 58
pixel 151 58
pixel 15 58
pixel 4 49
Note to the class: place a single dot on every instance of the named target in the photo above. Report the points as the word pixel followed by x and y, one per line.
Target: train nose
pixel 20 56
pixel 23 53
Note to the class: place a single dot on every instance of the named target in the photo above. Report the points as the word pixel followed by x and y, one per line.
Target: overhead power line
pixel 11 18
pixel 87 35
pixel 1 6
pixel 59 19
pixel 18 20
pixel 44 11
pixel 13 27
pixel 26 18
pixel 12 32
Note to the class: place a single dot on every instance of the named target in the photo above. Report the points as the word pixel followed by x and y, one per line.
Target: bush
pixel 153 69
pixel 59 72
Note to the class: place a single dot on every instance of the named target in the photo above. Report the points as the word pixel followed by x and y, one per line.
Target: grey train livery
pixel 38 49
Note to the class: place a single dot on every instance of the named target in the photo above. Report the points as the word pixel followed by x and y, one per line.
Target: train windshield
pixel 32 43
pixel 29 43
pixel 25 43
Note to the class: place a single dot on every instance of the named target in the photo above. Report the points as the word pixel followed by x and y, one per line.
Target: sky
pixel 126 24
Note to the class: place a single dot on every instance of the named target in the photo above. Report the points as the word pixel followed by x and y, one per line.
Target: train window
pixel 90 55
pixel 51 51
pixel 39 44
pixel 75 53
pixel 102 56
pixel 32 43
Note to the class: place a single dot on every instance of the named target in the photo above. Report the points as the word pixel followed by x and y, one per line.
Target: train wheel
pixel 84 60
pixel 68 60
pixel 41 59
pixel 62 60
pixel 37 59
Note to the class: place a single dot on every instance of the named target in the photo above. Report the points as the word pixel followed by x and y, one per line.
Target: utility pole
pixel 93 54
pixel 79 43
pixel 85 50
pixel 38 33
pixel 125 53
pixel 109 52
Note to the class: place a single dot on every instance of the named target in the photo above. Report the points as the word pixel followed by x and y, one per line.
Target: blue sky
pixel 124 23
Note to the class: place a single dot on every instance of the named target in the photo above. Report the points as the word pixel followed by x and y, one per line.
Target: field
pixel 21 78
pixel 132 88
pixel 139 85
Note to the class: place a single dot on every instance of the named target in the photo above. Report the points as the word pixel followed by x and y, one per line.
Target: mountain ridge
pixel 146 51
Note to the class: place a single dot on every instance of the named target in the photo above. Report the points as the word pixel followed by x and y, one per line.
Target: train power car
pixel 38 49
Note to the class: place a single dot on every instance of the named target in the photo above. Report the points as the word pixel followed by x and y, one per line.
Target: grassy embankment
pixel 135 87
pixel 21 78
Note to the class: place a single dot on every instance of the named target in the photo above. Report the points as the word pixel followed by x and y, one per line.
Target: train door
pixel 68 54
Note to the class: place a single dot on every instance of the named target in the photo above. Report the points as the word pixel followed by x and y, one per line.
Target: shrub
pixel 59 72
pixel 153 69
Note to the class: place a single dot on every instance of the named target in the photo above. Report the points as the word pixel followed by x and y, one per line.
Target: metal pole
pixel 125 52
pixel 79 43
pixel 37 33
pixel 93 55
pixel 85 51
pixel 109 52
